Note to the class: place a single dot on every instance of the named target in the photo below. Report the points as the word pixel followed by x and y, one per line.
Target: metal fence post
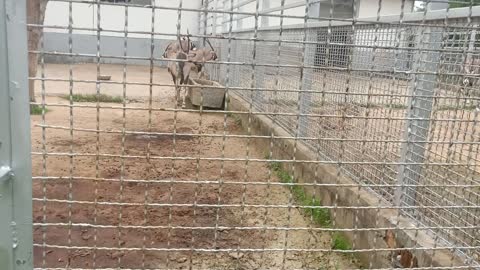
pixel 205 22
pixel 306 97
pixel 16 251
pixel 260 71
pixel 264 19
pixel 214 23
pixel 419 110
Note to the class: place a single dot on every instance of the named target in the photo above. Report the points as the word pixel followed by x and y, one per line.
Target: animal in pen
pixel 176 46
pixel 193 59
pixel 196 55
pixel 470 80
pixel 200 56
pixel 179 70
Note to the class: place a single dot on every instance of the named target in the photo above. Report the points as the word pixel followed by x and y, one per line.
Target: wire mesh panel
pixel 309 139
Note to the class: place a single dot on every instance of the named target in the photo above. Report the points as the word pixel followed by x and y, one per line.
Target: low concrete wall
pixel 109 45
pixel 351 196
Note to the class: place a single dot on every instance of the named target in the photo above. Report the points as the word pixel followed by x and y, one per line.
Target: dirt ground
pixel 132 206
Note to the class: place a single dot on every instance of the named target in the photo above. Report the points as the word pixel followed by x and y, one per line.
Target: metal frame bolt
pixel 5 173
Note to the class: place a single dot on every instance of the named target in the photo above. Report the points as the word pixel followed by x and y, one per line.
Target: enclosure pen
pixel 315 134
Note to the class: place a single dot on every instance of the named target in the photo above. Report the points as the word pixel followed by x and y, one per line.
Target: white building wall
pixel 369 8
pixel 84 15
pixel 139 19
pixel 112 18
pixel 365 9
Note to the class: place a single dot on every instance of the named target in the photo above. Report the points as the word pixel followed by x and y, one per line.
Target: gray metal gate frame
pixel 16 252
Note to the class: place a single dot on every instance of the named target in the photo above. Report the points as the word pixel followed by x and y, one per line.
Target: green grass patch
pixel 369 105
pixel 377 106
pixel 397 106
pixel 340 242
pixel 467 107
pixel 37 110
pixel 94 98
pixel 236 118
pixel 320 216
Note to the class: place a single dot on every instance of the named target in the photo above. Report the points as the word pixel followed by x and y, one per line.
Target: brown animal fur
pixel 402 258
pixel 200 56
pixel 179 71
pixel 174 47
pixel 471 70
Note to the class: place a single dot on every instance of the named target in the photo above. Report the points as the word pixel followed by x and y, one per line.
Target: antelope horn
pixel 181 47
pixel 166 49
pixel 210 44
pixel 188 41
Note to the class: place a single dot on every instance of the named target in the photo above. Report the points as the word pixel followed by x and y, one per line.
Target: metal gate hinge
pixel 5 173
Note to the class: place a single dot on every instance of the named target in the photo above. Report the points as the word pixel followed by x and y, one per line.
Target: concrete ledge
pixel 407 240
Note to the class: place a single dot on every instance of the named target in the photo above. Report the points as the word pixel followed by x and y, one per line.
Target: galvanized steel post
pixel 417 126
pixel 16 252
pixel 307 78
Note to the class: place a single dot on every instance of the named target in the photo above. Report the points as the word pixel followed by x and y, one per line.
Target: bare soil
pixel 131 205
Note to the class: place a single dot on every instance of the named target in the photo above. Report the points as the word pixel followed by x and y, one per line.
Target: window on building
pixel 339 8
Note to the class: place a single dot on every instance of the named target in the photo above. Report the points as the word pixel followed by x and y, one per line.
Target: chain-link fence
pixel 379 93
pixel 345 141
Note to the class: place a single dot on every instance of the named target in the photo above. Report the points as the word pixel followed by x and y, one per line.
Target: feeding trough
pixel 213 93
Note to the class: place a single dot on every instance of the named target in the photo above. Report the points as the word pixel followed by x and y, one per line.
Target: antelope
pixel 180 71
pixel 200 56
pixel 472 71
pixel 196 58
pixel 175 46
